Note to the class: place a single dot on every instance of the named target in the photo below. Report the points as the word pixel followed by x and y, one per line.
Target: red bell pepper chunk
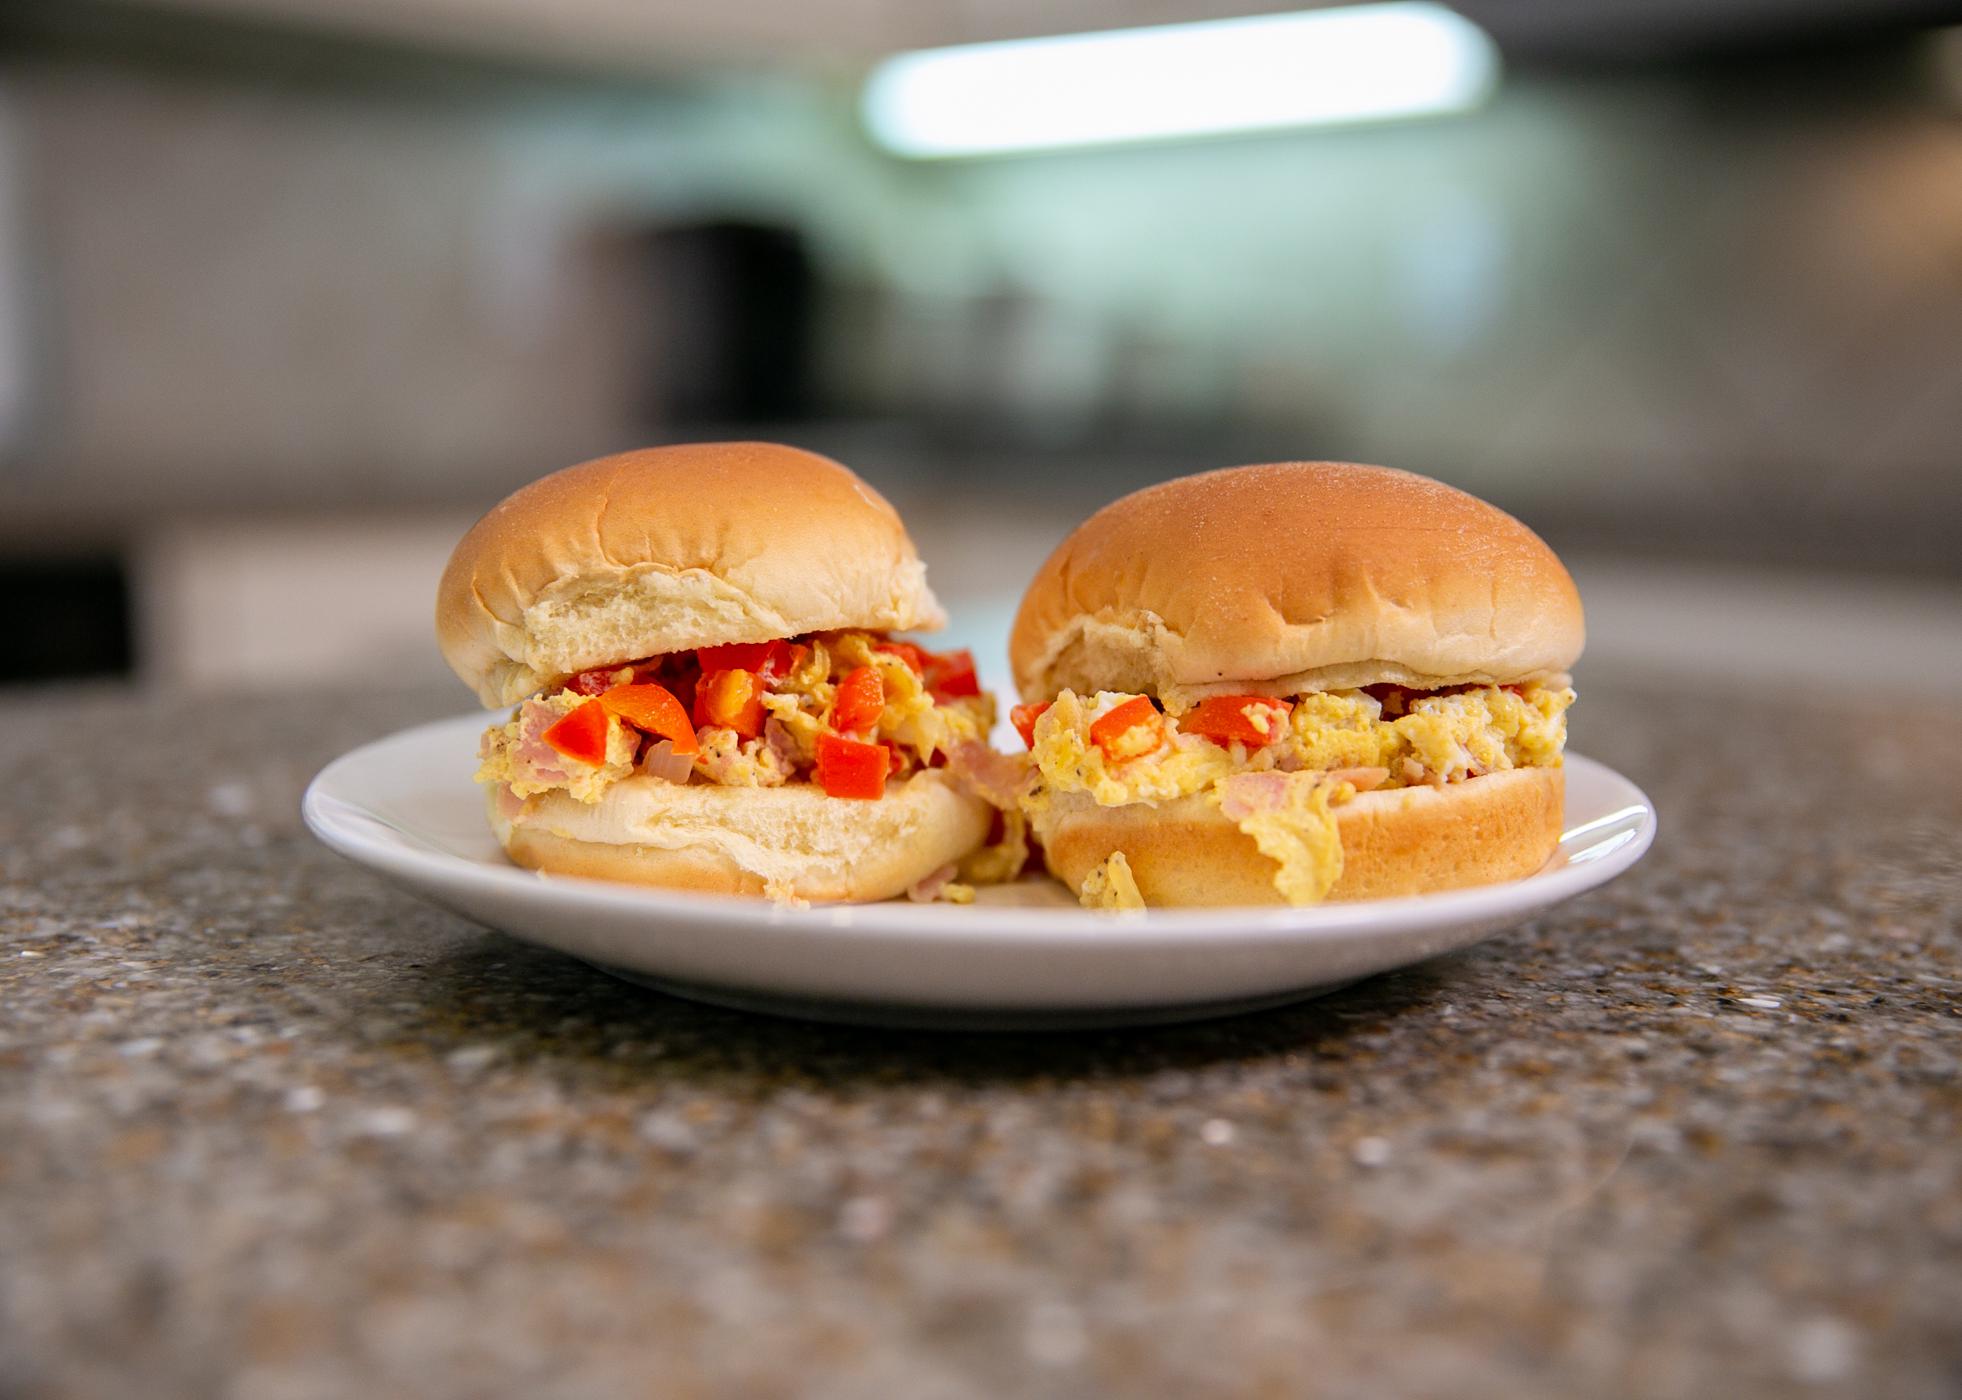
pixel 769 660
pixel 580 734
pixel 731 699
pixel 1253 720
pixel 653 708
pixel 917 657
pixel 600 679
pixel 1024 718
pixel 861 700
pixel 1128 730
pixel 851 768
pixel 950 675
pixel 737 656
pixel 783 656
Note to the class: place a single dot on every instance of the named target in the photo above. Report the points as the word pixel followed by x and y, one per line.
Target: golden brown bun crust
pixel 1502 826
pixel 1290 577
pixel 670 548
pixel 791 840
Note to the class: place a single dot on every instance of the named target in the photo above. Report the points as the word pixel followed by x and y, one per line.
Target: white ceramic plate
pixel 1022 955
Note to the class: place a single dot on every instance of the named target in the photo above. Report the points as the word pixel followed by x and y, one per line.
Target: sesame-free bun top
pixel 670 548
pixel 1291 577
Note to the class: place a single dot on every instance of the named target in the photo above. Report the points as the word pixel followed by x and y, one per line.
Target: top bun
pixel 1294 577
pixel 667 549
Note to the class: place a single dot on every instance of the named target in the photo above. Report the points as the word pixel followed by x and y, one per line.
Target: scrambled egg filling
pixel 544 771
pixel 1443 737
pixel 912 719
pixel 1002 859
pixel 921 729
pixel 1300 836
pixel 1335 743
pixel 1111 886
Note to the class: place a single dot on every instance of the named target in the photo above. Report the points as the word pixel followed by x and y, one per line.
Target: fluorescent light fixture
pixel 1263 73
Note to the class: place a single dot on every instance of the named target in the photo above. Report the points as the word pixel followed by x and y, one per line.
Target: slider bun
pixel 1293 577
pixel 1500 826
pixel 790 840
pixel 667 549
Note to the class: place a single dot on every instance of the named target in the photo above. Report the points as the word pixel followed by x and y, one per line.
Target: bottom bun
pixel 1502 826
pixel 786 842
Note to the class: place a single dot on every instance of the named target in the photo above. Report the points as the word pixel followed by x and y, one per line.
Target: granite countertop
pixel 269 1128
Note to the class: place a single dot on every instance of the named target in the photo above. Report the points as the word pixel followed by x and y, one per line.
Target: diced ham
pixel 995 777
pixel 777 739
pixel 532 758
pixel 1361 779
pixel 1247 794
pixel 1244 794
pixel 510 806
pixel 927 890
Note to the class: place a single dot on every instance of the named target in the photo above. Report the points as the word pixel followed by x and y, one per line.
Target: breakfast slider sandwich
pixel 1293 683
pixel 697 643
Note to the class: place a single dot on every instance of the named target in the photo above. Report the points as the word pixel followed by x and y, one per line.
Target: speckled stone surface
pixel 270 1129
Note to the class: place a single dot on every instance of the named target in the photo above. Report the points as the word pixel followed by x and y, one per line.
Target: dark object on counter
pixel 731 340
pixel 69 618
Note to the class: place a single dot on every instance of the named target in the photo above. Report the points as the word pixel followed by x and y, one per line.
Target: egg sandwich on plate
pixel 697 645
pixel 1293 683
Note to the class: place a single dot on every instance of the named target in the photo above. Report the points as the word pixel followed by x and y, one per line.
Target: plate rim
pixel 326 813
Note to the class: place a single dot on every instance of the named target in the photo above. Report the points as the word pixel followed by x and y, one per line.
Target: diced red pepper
pixel 1128 730
pixel 1253 720
pixel 653 708
pixel 731 699
pixel 950 675
pixel 914 656
pixel 851 768
pixel 737 656
pixel 600 679
pixel 580 734
pixel 769 660
pixel 861 700
pixel 782 663
pixel 1024 718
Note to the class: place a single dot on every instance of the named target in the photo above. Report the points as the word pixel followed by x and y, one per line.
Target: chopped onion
pixel 661 761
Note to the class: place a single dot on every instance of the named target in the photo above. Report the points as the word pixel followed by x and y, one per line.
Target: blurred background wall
pixel 289 292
